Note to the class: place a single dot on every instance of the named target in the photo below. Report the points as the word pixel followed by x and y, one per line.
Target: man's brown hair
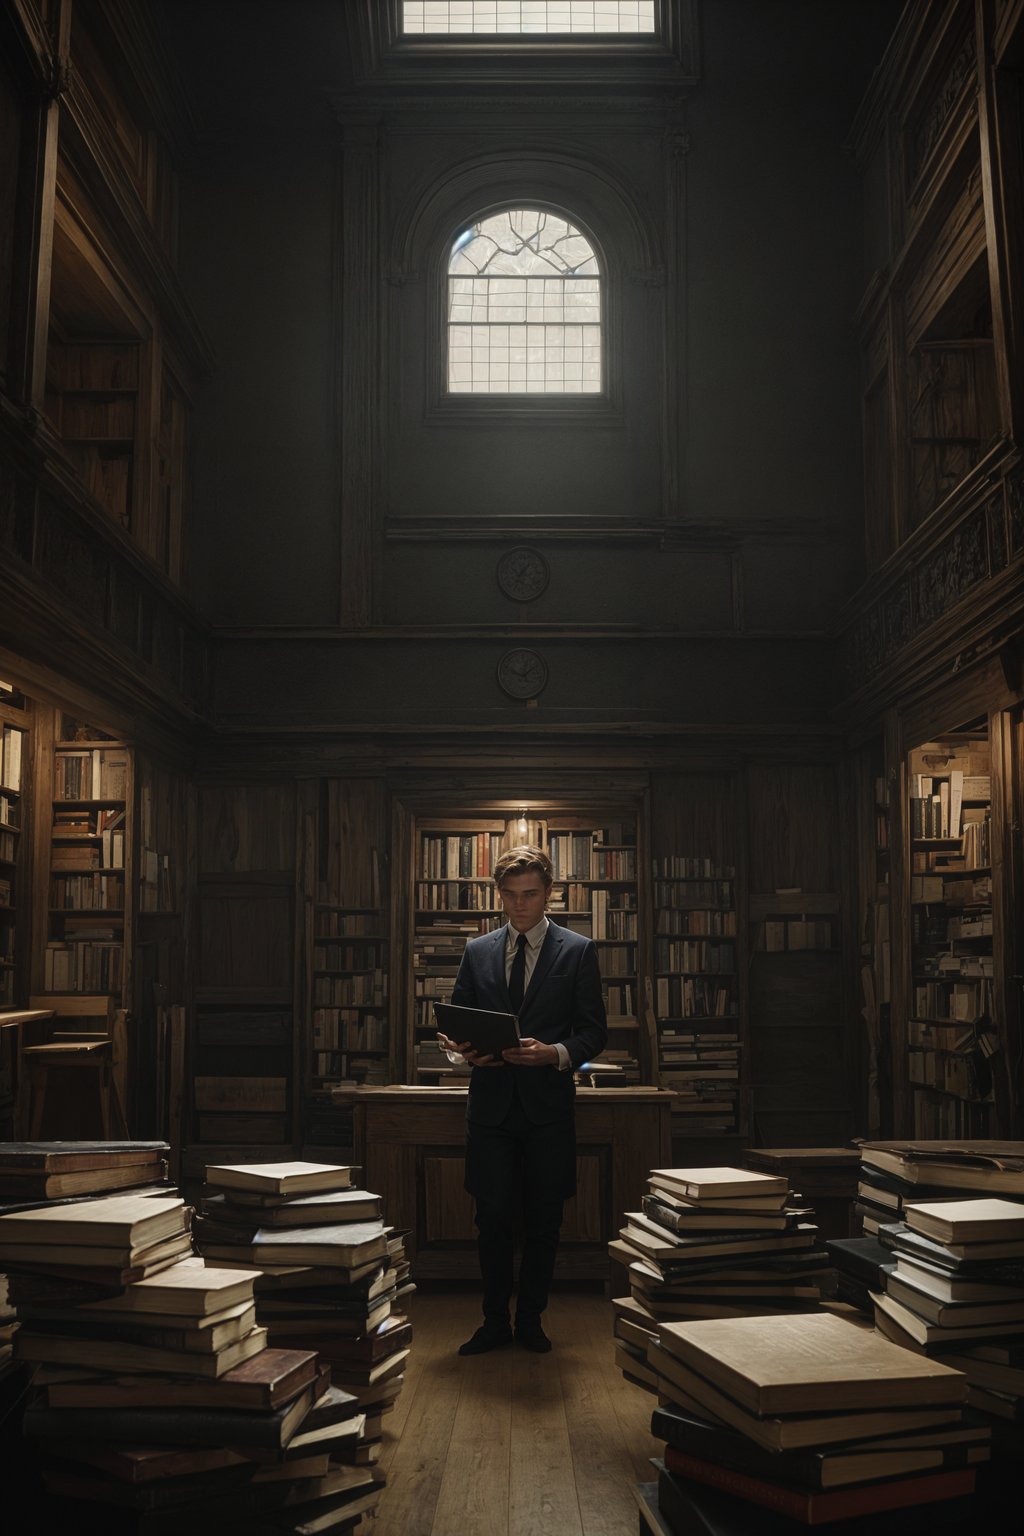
pixel 524 860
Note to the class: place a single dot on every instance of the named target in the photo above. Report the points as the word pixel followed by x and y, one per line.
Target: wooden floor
pixel 512 1443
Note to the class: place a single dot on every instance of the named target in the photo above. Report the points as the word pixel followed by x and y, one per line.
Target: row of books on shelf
pixel 929 1036
pixel 610 917
pixel 684 893
pixel 8 847
pixel 679 866
pixel 964 1000
pixel 335 923
pixel 619 999
pixel 6 892
pixel 975 891
pixel 352 956
pixel 942 814
pixel 576 856
pixel 472 855
pixel 690 997
pixel 10 811
pixel 696 921
pixel 87 893
pixel 796 933
pixel 105 853
pixel 947 1115
pixel 11 750
pixel 693 955
pixel 576 896
pixel 97 773
pixel 84 964
pixel 341 1029
pixel 618 960
pixel 451 896
pixel 701 1054
pixel 964 1072
pixel 369 989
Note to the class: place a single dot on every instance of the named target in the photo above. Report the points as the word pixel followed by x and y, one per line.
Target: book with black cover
pixel 172 1426
pixel 487 1032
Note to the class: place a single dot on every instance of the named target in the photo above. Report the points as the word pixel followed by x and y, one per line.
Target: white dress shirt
pixel 535 937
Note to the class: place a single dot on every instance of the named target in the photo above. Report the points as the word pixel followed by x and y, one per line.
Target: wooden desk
pixel 410 1143
pixel 12 1019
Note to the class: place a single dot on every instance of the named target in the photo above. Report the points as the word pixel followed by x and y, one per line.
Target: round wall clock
pixel 522 674
pixel 522 573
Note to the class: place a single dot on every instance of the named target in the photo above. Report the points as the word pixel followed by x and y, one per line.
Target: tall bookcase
pixel 952 1036
pixel 348 951
pixel 696 992
pixel 87 848
pixel 594 892
pixel 14 773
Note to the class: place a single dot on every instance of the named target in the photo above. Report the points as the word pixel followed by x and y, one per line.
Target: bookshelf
pixel 14 770
pixel 92 394
pixel 89 895
pixel 594 892
pixel 349 953
pixel 695 992
pixel 951 1036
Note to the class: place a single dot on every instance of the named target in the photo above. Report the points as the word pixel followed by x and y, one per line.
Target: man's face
pixel 523 897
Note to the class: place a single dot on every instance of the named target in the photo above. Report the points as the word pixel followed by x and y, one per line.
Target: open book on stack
pixel 815 1418
pixel 712 1242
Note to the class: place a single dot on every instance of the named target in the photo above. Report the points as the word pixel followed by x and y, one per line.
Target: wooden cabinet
pixel 410 1144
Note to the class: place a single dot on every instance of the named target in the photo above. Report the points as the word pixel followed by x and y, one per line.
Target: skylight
pixel 565 17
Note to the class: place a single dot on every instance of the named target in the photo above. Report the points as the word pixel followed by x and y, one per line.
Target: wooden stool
pixel 84 1056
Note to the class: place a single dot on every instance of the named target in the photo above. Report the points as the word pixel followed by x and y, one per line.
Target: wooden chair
pixel 86 1038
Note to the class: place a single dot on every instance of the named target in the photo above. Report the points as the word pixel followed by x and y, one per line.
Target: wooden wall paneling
pixel 1002 148
pixel 245 942
pixel 794 827
pixel 1003 242
pixel 246 828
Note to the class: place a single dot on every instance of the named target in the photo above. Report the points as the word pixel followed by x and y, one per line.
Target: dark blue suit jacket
pixel 563 1003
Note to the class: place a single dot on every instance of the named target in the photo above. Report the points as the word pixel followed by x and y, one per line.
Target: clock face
pixel 522 674
pixel 522 574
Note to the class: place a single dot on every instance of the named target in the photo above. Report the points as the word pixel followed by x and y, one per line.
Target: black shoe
pixel 489 1336
pixel 532 1336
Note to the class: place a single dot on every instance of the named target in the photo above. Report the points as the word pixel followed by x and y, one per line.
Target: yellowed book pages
pixel 188 1288
pixel 964 1221
pixel 720 1183
pixel 118 1221
pixel 293 1178
pixel 809 1363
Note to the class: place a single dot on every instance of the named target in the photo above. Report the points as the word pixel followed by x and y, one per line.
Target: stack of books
pixel 814 1419
pixel 155 1394
pixel 895 1172
pixel 712 1243
pixel 330 1272
pixel 957 1292
pixel 36 1172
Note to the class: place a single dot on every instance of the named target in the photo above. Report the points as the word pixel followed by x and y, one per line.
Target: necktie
pixel 517 975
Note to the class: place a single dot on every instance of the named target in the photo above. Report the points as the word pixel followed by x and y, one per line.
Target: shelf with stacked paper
pixel 695 992
pixel 350 996
pixel 951 1037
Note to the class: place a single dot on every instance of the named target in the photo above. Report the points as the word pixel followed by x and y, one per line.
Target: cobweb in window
pixel 524 308
pixel 565 16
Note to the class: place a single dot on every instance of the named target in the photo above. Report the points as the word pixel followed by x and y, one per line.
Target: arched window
pixel 524 307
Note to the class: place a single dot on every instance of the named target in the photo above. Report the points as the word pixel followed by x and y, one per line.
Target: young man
pixel 520 1128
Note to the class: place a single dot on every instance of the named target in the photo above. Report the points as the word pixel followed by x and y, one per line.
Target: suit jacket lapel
pixel 553 941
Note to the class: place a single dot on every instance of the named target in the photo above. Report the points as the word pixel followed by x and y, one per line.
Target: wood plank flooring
pixel 512 1443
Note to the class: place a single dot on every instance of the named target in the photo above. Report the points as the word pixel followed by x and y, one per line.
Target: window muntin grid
pixel 576 17
pixel 524 308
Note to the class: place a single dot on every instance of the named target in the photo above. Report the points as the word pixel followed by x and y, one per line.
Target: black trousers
pixel 518 1171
